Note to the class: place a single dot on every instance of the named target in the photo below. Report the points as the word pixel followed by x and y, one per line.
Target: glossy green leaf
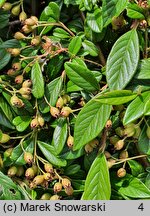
pixel 81 76
pixel 10 189
pixel 6 109
pixel 115 97
pixel 61 33
pixel 17 155
pixel 147 108
pixel 50 154
pixel 37 81
pixel 13 43
pixel 136 167
pixel 134 11
pixel 122 60
pixel 53 10
pixel 132 187
pixel 4 19
pixel 97 184
pixel 4 58
pixel 144 141
pixel 21 122
pixel 90 122
pixel 2 2
pixel 60 136
pixel 72 169
pixel 90 48
pixel 75 45
pixel 111 9
pixel 94 20
pixel 136 108
pixel 143 70
pixel 5 121
pixel 71 155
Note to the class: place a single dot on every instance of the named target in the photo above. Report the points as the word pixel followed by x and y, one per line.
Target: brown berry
pixel 27 29
pixel 11 72
pixel 57 187
pixel 124 154
pixel 108 124
pixel 65 111
pixel 15 101
pixel 15 52
pixel 107 154
pixel 70 141
pixel 28 157
pixel 34 123
pixel 31 21
pixel 36 41
pixel 110 162
pixel 40 121
pixel 69 191
pixel 54 111
pixel 88 148
pixel 47 176
pixel 27 83
pixel 66 182
pixel 19 79
pixel 121 172
pixel 119 145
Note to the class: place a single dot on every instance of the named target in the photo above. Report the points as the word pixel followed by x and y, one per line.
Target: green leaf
pixel 75 45
pixel 136 108
pixel 71 155
pixel 4 58
pixel 90 48
pixel 6 109
pixel 90 122
pixel 143 70
pixel 50 154
pixel 136 167
pixel 97 184
pixel 123 60
pixel 37 81
pixel 4 120
pixel 61 33
pixel 17 155
pixel 131 187
pixel 94 20
pixel 13 43
pixel 72 169
pixel 10 189
pixel 115 97
pixel 134 11
pixel 4 18
pixel 147 108
pixel 53 11
pixel 60 136
pixel 21 122
pixel 144 141
pixel 81 76
pixel 111 9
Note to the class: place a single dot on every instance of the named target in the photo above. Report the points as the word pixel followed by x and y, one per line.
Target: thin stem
pixel 67 29
pixel 57 174
pixel 35 146
pixel 131 158
pixel 101 56
pixel 46 101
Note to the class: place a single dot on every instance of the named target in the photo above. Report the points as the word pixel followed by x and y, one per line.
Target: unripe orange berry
pixel 69 191
pixel 57 187
pixel 110 162
pixel 12 171
pixel 70 141
pixel 54 111
pixel 31 21
pixel 15 101
pixel 119 145
pixel 36 41
pixel 107 154
pixel 40 120
pixel 55 197
pixel 5 138
pixel 60 103
pixel 88 148
pixel 34 123
pixel 108 124
pixel 22 16
pixel 66 182
pixel 28 157
pixel 16 10
pixel 29 173
pixel 129 130
pixel 47 176
pixel 121 172
pixel 94 143
pixel 65 111
pixel 7 6
pixel 124 154
pixel 15 52
pixel 16 66
pixel 39 179
pixel 45 196
pixel 25 90
pixel 11 72
pixel 48 168
pixel 27 83
pixel 28 97
pixel 8 152
pixel 19 36
pixel 19 79
pixel 27 29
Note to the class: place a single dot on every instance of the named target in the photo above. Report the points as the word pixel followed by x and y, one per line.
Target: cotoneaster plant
pixel 74 100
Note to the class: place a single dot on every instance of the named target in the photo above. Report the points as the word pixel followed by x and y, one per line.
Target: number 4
pixel 141 207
